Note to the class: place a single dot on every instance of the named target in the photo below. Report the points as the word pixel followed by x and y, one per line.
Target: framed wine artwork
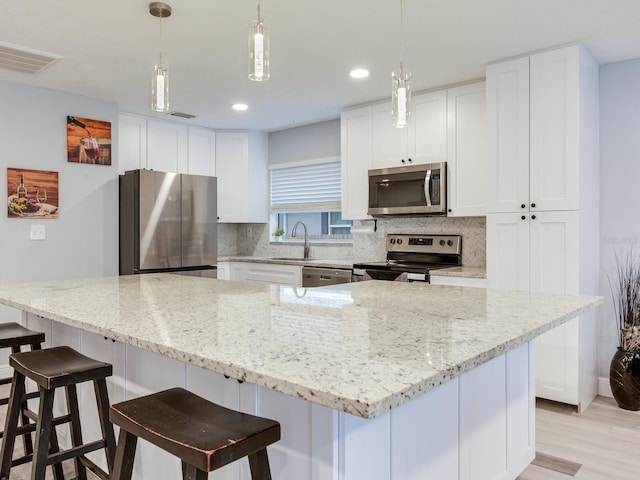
pixel 32 193
pixel 88 141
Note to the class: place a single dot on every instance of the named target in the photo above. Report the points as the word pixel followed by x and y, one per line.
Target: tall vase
pixel 624 378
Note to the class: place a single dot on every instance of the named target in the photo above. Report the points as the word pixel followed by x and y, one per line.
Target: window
pixel 308 192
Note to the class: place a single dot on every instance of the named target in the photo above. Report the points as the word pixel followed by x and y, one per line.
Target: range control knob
pixel 442 243
pixel 392 241
pixel 450 243
pixel 399 241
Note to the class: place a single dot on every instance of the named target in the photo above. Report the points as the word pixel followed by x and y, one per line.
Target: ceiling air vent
pixel 181 115
pixel 24 60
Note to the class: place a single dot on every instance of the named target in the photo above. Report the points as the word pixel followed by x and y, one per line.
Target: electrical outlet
pixel 37 232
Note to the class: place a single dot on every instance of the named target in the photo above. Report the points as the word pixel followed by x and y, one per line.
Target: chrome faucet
pixel 306 240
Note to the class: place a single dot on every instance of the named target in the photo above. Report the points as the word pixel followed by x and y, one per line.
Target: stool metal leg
pixel 125 453
pixel 11 423
pixel 259 465
pixel 189 472
pixel 43 434
pixel 102 400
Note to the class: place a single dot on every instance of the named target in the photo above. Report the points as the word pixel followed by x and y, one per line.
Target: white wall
pixel 83 241
pixel 308 142
pixel 619 184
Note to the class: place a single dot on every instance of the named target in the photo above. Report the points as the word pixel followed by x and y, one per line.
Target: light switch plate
pixel 37 232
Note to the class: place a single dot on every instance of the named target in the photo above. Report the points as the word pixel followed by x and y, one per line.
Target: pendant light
pixel 160 79
pixel 258 51
pixel 401 86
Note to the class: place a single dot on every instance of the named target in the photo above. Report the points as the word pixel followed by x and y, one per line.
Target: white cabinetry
pixel 542 233
pixel 202 152
pixel 369 140
pixel 167 146
pixel 132 138
pixel 355 137
pixel 243 183
pixel 424 140
pixel 466 152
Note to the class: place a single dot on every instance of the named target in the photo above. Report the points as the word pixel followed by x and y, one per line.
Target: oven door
pixel 413 190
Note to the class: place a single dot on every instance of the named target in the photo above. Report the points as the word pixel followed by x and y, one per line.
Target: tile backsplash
pixel 255 239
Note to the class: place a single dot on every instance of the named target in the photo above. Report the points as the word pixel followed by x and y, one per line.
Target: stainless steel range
pixel 410 258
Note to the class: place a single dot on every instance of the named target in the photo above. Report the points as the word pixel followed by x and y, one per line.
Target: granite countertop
pixel 362 348
pixel 309 262
pixel 462 271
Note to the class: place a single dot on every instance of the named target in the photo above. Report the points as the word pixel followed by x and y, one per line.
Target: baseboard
pixel 604 389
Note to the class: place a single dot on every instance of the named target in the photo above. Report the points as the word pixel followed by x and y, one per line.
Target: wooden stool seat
pixel 15 335
pixel 58 367
pixel 203 435
pixel 52 368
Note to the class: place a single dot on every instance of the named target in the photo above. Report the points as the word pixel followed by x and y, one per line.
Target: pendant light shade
pixel 401 86
pixel 401 97
pixel 160 78
pixel 258 51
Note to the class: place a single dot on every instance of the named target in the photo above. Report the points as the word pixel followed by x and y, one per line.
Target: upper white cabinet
pixel 534 137
pixel 132 147
pixel 167 147
pixel 466 152
pixel 243 182
pixel 355 138
pixel 542 232
pixel 369 140
pixel 202 152
pixel 424 140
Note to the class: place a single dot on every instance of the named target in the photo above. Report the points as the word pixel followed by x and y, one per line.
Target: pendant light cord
pixel 401 35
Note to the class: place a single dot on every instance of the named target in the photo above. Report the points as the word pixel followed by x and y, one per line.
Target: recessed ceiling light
pixel 359 73
pixel 239 106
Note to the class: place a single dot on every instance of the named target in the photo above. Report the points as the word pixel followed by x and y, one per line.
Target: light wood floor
pixel 601 444
pixel 604 441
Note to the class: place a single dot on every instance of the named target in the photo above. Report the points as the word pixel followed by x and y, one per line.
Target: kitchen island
pixel 369 380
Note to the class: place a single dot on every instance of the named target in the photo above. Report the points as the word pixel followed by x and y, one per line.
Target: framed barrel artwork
pixel 88 141
pixel 32 193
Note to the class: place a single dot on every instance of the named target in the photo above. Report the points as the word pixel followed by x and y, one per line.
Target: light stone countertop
pixel 462 271
pixel 362 348
pixel 309 262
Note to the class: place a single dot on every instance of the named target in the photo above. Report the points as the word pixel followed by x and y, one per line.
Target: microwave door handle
pixel 427 187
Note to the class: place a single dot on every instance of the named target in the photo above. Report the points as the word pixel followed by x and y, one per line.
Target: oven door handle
pixel 427 187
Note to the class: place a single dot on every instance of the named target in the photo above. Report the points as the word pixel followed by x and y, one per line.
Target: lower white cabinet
pixel 543 252
pixel 261 272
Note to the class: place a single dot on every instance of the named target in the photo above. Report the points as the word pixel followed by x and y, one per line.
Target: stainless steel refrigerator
pixel 168 223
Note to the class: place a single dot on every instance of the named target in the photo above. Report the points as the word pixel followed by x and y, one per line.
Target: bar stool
pixel 15 336
pixel 50 369
pixel 203 435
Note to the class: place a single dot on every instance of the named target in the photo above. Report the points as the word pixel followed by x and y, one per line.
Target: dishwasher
pixel 318 277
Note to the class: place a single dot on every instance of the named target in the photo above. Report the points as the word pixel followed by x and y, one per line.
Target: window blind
pixel 301 188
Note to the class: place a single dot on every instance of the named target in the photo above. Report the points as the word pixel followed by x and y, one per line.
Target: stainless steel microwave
pixel 411 190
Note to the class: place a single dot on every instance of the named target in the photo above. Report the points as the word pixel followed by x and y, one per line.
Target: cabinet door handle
pixel 402 161
pixel 533 205
pixel 523 217
pixel 409 160
pixel 523 206
pixel 533 217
